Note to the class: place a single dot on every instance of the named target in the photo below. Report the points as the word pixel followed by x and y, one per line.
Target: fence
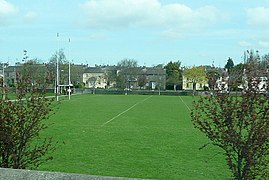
pixel 132 92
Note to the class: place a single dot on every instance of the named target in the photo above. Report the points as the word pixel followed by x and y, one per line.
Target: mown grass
pixel 153 139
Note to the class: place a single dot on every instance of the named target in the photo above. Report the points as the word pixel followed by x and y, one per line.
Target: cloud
pixel 245 44
pixel 6 8
pixel 264 44
pixel 30 16
pixel 106 14
pixel 6 11
pixel 258 16
pixel 117 13
pixel 172 34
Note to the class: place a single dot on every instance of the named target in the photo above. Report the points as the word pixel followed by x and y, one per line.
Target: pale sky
pixel 195 32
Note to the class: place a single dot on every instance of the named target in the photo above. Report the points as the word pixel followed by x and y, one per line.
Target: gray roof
pixel 153 71
pixel 94 70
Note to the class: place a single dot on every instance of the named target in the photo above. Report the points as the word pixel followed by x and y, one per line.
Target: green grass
pixel 154 139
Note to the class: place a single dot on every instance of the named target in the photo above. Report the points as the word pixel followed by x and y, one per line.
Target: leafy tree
pixel 239 125
pixel 229 65
pixel 21 122
pixel 236 77
pixel 128 71
pixel 121 81
pixel 196 74
pixel 174 74
pixel 37 69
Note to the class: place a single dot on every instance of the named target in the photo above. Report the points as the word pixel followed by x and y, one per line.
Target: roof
pixel 153 71
pixel 94 70
pixel 12 68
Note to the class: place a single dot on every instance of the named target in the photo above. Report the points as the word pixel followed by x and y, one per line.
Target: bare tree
pixel 127 75
pixel 142 80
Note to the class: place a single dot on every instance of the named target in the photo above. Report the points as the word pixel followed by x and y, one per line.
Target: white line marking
pixel 125 111
pixel 185 103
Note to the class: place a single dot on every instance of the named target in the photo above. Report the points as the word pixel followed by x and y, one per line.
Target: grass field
pixel 133 136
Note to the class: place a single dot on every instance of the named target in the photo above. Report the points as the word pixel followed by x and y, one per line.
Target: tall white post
pixel 69 69
pixel 3 75
pixel 4 82
pixel 57 68
pixel 4 65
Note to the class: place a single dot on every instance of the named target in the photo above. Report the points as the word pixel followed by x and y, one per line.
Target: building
pixel 187 84
pixel 195 78
pixel 95 77
pixel 155 78
pixel 10 75
pixel 109 76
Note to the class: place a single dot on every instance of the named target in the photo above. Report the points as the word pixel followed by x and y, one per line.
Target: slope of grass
pixel 144 137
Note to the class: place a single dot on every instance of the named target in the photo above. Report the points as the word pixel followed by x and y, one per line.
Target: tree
pixel 161 66
pixel 229 65
pixel 265 61
pixel 142 80
pixel 174 74
pixel 37 69
pixel 196 74
pixel 76 72
pixel 127 74
pixel 212 75
pixel 63 66
pixel 21 122
pixel 236 77
pixel 110 76
pixel 92 81
pixel 239 125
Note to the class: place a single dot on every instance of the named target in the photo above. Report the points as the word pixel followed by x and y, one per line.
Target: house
pixel 105 77
pixel 155 77
pixel 194 78
pixel 95 77
pixel 223 81
pixel 260 82
pixel 10 73
pixel 187 84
